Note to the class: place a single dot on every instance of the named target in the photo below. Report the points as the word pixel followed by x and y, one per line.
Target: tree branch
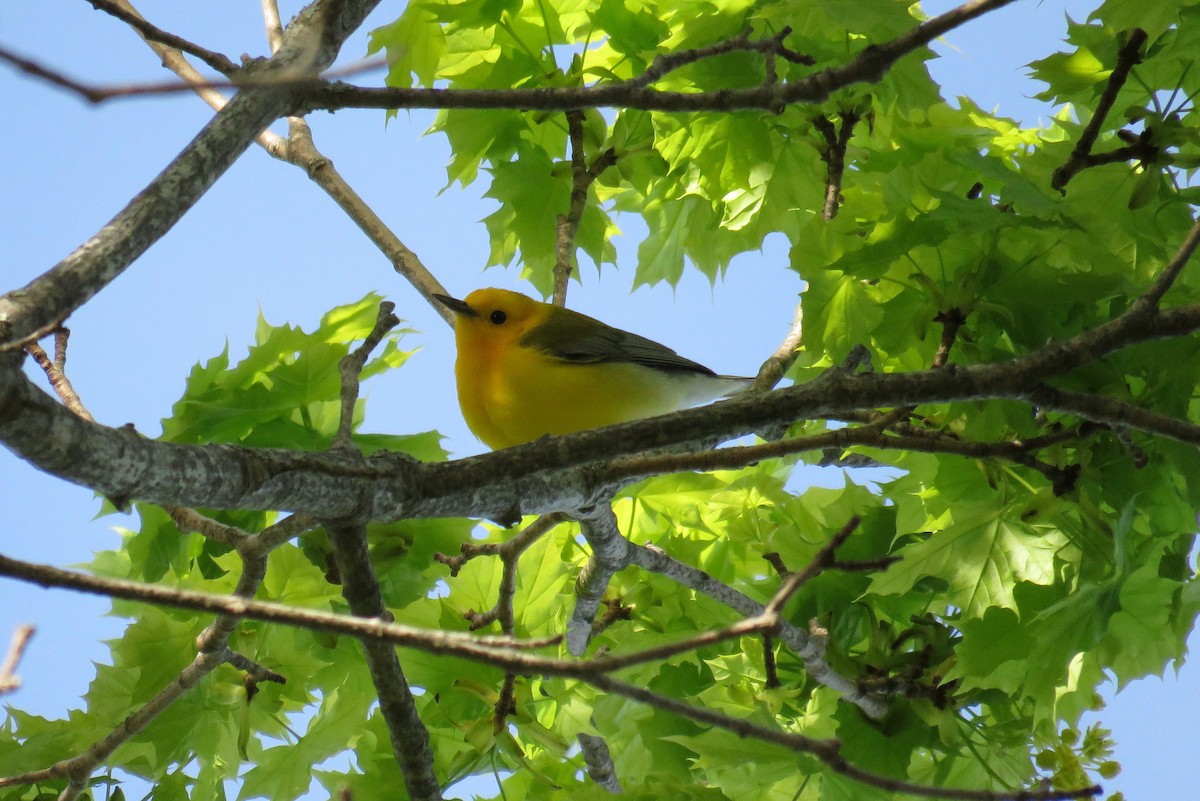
pixel 777 364
pixel 834 156
pixel 313 41
pixel 351 366
pixel 1150 299
pixel 410 738
pixel 868 66
pixel 552 474
pixel 611 553
pixel 9 680
pixel 153 33
pixel 1081 155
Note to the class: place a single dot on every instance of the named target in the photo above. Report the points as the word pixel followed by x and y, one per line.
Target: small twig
pixel 273 536
pixel 61 337
pixel 1135 451
pixel 57 376
pixel 863 565
pixel 822 560
pixel 568 224
pixel 510 554
pixel 253 669
pixel 582 177
pixel 9 680
pixel 273 24
pixel 1127 57
pixel 769 47
pixel 952 320
pixel 153 33
pixel 99 94
pixel 1151 298
pixel 189 520
pixel 776 561
pixel 778 363
pixel 614 611
pixel 834 156
pixel 769 666
pixel 351 367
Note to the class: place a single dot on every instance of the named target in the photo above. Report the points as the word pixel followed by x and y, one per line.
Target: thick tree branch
pixel 528 479
pixel 410 739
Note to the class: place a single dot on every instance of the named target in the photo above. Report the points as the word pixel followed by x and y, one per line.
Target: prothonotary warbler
pixel 526 369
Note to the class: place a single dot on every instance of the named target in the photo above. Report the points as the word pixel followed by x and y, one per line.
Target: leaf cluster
pixel 1020 584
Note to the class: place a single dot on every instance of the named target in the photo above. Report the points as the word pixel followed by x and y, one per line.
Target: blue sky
pixel 265 240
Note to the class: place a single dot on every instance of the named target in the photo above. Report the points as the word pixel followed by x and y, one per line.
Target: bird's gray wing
pixel 578 339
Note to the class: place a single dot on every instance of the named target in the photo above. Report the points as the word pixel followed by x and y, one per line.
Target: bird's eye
pixel 498 317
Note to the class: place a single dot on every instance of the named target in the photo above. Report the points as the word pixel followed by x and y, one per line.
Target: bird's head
pixel 494 315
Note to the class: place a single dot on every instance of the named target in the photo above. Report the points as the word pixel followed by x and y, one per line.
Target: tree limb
pixel 867 66
pixel 153 33
pixel 311 41
pixel 1081 154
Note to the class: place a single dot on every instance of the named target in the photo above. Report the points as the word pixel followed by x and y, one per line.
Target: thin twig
pixel 777 364
pixel 9 680
pixel 770 47
pixel 568 224
pixel 351 366
pixel 153 33
pixel 769 668
pixel 834 156
pixel 823 559
pixel 1151 298
pixel 273 24
pixel 57 376
pixel 189 520
pixel 1127 57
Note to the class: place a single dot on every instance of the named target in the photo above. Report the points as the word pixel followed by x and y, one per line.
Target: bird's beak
pixel 455 305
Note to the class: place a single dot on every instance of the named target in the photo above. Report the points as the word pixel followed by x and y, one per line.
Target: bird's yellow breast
pixel 526 369
pixel 511 394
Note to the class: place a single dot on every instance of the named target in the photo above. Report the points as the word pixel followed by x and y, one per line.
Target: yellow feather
pixel 526 369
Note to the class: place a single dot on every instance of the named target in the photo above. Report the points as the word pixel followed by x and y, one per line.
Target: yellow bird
pixel 526 369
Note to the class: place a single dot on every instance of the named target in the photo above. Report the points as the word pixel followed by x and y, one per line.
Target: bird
pixel 526 369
